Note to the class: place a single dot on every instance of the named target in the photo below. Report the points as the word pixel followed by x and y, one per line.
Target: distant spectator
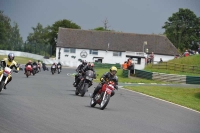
pixel 125 65
pixel 199 50
pixel 130 66
pixel 152 57
pixel 160 60
pixel 186 53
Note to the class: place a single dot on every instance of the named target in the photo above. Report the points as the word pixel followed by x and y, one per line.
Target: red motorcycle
pixel 28 70
pixel 103 96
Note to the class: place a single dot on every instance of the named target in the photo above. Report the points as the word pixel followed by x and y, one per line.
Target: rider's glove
pixel 103 80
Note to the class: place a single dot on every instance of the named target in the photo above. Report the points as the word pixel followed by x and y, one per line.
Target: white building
pixel 110 47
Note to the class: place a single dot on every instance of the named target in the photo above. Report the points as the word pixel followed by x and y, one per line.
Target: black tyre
pixel 27 73
pixel 83 91
pixel 76 92
pixel 92 102
pixel 1 85
pixel 104 102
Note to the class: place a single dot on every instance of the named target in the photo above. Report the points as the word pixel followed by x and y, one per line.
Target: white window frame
pixel 117 54
pixel 94 52
pixel 69 50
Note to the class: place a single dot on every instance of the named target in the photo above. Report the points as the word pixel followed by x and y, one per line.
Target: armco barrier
pixel 126 73
pixel 192 80
pixel 143 74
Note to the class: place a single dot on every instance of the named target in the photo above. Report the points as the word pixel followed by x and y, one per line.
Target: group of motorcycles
pixel 55 68
pixel 102 97
pixel 34 70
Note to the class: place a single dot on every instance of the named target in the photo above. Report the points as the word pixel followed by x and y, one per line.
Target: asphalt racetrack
pixel 47 103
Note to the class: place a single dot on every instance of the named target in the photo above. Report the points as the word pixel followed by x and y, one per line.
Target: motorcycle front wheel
pixel 92 102
pixel 1 85
pixel 83 91
pixel 104 102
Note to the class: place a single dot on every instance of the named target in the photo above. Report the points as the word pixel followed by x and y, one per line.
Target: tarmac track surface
pixel 46 103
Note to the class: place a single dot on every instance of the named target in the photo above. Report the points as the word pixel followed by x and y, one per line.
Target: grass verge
pixel 188 97
pixel 19 59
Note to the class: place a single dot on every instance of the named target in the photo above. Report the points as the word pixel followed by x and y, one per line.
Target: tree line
pixel 182 29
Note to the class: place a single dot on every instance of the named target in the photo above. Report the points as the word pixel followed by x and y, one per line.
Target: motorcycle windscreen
pixel 89 73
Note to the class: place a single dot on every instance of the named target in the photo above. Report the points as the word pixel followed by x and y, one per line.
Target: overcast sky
pixel 132 16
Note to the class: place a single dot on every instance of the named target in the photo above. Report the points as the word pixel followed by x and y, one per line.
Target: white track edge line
pixel 162 100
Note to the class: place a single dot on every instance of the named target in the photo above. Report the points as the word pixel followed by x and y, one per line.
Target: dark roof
pixel 118 41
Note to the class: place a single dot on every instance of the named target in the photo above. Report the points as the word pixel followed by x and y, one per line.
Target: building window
pixel 117 53
pixel 94 52
pixel 69 50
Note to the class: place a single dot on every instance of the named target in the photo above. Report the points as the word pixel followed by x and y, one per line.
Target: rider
pixel 40 64
pixel 78 70
pixel 10 63
pixel 54 64
pixel 90 66
pixel 108 76
pixel 29 63
pixel 60 65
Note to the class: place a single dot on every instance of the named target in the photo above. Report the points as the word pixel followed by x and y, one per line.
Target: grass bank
pixel 188 97
pixel 19 59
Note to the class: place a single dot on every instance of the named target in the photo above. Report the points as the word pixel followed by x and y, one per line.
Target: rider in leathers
pixel 10 63
pixel 108 76
pixel 79 72
pixel 60 65
pixel 29 63
pixel 90 66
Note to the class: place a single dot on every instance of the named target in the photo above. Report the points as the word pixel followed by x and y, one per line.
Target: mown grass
pixel 18 59
pixel 188 97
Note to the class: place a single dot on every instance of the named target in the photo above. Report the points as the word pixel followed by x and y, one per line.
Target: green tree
pixel 53 31
pixel 5 30
pixel 37 40
pixel 182 29
pixel 16 42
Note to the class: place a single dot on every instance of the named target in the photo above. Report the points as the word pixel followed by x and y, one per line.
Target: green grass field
pixel 19 59
pixel 188 97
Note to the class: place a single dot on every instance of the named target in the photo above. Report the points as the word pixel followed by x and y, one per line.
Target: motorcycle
pixel 28 70
pixel 39 69
pixel 4 76
pixel 85 83
pixel 59 69
pixel 53 69
pixel 34 69
pixel 103 96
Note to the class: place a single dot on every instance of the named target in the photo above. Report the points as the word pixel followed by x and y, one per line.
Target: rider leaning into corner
pixel 108 76
pixel 9 63
pixel 79 72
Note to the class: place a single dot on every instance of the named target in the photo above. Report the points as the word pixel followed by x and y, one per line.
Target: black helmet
pixel 11 56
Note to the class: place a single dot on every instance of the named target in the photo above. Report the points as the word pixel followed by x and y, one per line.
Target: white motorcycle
pixel 4 77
